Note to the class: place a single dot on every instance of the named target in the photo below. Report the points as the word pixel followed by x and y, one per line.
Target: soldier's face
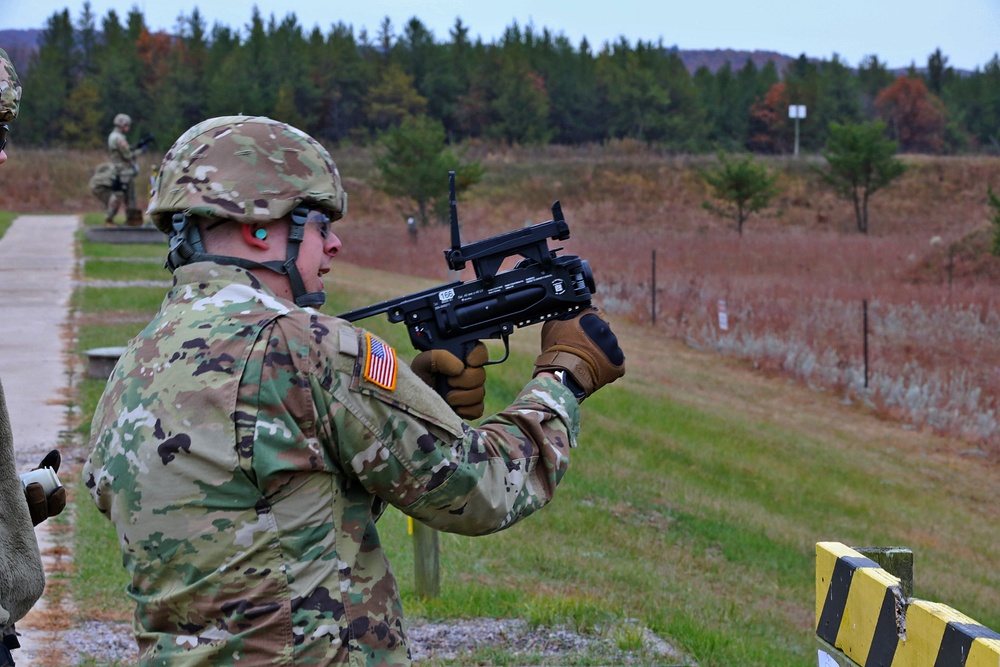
pixel 319 246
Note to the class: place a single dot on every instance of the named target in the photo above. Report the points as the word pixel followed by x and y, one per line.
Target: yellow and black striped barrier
pixel 862 614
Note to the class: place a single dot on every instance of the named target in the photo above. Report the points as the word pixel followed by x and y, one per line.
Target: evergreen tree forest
pixel 532 86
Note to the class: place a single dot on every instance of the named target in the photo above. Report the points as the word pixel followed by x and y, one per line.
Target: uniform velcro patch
pixel 380 363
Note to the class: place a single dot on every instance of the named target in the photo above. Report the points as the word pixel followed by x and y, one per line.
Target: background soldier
pixel 22 578
pixel 123 189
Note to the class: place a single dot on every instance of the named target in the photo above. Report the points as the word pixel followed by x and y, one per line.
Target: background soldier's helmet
pixel 250 169
pixel 122 119
pixel 10 89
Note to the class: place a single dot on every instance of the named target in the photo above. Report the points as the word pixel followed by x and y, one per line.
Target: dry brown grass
pixel 793 284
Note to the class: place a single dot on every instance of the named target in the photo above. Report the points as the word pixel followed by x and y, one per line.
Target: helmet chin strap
pixel 186 247
pixel 290 269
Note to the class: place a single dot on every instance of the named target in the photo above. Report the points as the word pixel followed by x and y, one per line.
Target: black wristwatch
pixel 570 384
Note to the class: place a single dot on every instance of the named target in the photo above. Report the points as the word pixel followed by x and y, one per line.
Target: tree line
pixel 530 86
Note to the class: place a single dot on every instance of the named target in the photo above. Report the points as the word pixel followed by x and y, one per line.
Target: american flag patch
pixel 380 366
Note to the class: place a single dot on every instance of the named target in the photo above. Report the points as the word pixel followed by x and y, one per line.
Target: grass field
pixel 691 509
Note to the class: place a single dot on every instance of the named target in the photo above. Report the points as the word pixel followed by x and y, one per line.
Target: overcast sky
pixel 899 32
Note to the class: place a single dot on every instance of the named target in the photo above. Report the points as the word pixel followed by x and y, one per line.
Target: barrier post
pixel 864 618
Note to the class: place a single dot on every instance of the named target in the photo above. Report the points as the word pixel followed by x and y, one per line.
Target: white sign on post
pixel 826 660
pixel 723 318
pixel 797 111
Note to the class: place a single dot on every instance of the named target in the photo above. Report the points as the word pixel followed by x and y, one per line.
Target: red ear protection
pixel 254 237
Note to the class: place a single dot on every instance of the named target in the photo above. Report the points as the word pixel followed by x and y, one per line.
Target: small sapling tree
pixel 414 163
pixel 741 187
pixel 860 161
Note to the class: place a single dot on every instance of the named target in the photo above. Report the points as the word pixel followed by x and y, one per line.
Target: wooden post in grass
pixel 426 560
pixel 864 310
pixel 652 289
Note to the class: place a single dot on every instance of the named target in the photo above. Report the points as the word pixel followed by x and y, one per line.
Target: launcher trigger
pixel 506 351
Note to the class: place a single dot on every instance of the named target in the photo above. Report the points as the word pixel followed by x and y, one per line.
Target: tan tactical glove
pixel 585 348
pixel 466 381
pixel 40 506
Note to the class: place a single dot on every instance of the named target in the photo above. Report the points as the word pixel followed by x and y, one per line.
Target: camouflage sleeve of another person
pixel 22 578
pixel 10 89
pixel 406 445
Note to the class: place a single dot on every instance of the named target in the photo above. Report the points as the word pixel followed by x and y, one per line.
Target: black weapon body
pixel 145 141
pixel 541 286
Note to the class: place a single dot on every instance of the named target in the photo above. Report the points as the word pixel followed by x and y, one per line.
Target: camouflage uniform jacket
pixel 121 155
pixel 10 89
pixel 244 448
pixel 22 578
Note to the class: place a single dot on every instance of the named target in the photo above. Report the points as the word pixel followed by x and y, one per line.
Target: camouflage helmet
pixel 123 119
pixel 249 169
pixel 10 89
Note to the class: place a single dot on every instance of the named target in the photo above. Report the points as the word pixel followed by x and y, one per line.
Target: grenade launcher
pixel 454 316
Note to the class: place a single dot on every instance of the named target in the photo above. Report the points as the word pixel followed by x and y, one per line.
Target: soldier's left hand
pixel 40 506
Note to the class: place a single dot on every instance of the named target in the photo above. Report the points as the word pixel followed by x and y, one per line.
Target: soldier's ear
pixel 254 236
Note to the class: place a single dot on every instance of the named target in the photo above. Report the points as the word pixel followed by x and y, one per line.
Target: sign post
pixel 797 111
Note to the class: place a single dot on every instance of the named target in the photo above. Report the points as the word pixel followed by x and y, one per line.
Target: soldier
pixel 22 578
pixel 123 189
pixel 246 444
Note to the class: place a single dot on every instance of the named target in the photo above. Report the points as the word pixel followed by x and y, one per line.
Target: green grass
pixel 98 269
pixel 694 521
pixel 153 253
pixel 6 219
pixel 137 300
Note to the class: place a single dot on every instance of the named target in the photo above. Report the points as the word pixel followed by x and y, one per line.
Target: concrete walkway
pixel 37 263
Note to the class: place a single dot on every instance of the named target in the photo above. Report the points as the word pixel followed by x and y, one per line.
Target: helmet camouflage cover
pixel 10 89
pixel 249 169
pixel 123 119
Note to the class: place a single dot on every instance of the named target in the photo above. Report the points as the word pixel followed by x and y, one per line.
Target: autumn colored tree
pixel 915 117
pixel 742 187
pixel 860 161
pixel 769 121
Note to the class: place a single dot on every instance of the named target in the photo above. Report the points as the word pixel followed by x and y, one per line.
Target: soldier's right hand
pixel 584 347
pixel 466 380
